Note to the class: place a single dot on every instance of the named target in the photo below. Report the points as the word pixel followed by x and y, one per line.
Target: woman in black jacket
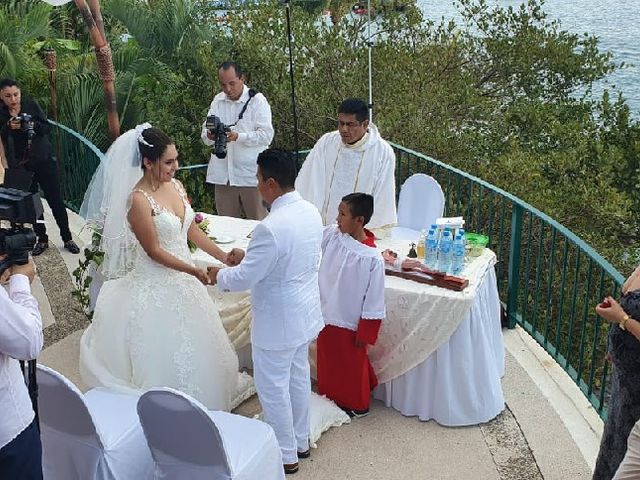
pixel 24 133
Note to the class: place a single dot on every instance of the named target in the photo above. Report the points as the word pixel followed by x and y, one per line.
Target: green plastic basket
pixel 476 243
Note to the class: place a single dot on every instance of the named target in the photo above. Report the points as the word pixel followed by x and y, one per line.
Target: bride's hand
pixel 201 275
pixel 234 257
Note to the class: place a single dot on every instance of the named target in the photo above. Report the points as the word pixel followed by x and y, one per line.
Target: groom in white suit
pixel 281 269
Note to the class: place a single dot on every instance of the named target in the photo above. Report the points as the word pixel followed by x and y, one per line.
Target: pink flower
pixel 199 218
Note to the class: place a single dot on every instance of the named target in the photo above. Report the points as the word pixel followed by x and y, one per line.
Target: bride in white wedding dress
pixel 154 323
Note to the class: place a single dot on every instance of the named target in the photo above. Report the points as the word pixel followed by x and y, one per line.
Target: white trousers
pixel 629 469
pixel 284 388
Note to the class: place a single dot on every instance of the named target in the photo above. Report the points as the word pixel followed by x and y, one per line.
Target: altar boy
pixel 281 269
pixel 351 282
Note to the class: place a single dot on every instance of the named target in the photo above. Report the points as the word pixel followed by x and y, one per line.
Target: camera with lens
pixel 26 124
pixel 18 208
pixel 219 131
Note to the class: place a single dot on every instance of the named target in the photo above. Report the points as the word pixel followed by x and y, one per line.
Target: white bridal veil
pixel 107 201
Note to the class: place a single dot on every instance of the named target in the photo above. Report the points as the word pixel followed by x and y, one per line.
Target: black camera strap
pixel 32 386
pixel 11 151
pixel 252 93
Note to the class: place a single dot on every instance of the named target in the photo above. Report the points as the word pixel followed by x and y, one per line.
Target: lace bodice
pixel 171 229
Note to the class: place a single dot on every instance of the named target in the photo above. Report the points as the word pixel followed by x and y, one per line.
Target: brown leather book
pixel 438 279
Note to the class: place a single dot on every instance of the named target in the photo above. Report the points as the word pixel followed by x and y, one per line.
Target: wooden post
pixel 51 62
pixel 94 6
pixel 105 62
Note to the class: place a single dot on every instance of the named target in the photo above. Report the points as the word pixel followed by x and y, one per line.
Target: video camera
pixel 17 208
pixel 26 125
pixel 219 131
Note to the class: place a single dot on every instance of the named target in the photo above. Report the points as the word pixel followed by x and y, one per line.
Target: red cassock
pixel 344 372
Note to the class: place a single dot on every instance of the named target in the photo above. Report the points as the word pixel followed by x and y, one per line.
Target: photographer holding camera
pixel 24 133
pixel 20 339
pixel 239 127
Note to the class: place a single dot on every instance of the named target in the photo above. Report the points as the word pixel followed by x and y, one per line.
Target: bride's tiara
pixel 141 128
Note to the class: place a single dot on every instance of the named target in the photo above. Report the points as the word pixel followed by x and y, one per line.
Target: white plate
pixel 222 239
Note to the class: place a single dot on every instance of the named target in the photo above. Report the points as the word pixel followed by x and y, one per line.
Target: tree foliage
pixel 504 94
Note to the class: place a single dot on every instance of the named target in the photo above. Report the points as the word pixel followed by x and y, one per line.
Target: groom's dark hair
pixel 279 165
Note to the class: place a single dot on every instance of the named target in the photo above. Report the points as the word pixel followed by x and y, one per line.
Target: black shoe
pixel 359 413
pixel 290 468
pixel 39 248
pixel 355 413
pixel 72 247
pixel 305 454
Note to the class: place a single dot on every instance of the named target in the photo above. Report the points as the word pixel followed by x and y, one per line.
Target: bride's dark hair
pixel 158 142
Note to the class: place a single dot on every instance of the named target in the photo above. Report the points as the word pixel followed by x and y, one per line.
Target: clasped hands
pixel 210 275
pixel 234 257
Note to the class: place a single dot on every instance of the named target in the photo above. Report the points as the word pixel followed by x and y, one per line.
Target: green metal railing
pixel 77 158
pixel 548 278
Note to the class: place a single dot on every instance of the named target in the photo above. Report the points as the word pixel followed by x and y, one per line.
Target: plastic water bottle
pixel 421 244
pixel 431 250
pixel 464 240
pixel 445 252
pixel 457 261
pixel 435 228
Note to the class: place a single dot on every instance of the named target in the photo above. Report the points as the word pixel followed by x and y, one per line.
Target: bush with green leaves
pixel 505 94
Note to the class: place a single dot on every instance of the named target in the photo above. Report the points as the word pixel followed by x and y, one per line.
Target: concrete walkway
pixel 548 430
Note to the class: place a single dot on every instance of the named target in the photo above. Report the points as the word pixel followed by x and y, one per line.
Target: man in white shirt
pixel 281 269
pixel 353 158
pixel 234 176
pixel 20 339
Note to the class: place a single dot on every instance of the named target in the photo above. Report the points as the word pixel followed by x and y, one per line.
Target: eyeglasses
pixel 349 124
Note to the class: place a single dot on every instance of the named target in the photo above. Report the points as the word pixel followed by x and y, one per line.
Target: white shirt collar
pixel 285 199
pixel 244 96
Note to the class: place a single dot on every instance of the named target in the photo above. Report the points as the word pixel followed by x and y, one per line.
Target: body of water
pixel 615 23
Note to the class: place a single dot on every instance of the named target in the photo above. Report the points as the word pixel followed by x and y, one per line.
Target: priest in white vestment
pixel 353 158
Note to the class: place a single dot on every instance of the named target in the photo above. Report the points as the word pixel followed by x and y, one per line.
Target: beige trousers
pixel 629 469
pixel 231 201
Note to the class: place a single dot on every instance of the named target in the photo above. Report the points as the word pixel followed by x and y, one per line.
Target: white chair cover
pixel 421 202
pixel 91 436
pixel 188 441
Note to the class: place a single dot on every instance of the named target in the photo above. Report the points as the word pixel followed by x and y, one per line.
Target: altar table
pixel 439 354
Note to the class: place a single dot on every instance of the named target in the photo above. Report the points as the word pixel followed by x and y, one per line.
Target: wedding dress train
pixel 159 327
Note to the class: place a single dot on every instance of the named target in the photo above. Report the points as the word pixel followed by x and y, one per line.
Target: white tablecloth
pixel 459 383
pixel 439 354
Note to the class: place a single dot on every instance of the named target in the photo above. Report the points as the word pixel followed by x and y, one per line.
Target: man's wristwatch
pixel 622 324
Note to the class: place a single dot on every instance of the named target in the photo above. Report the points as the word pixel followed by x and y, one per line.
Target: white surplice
pixel 333 170
pixel 351 280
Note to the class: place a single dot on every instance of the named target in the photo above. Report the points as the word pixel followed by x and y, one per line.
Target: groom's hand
pixel 213 274
pixel 234 257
